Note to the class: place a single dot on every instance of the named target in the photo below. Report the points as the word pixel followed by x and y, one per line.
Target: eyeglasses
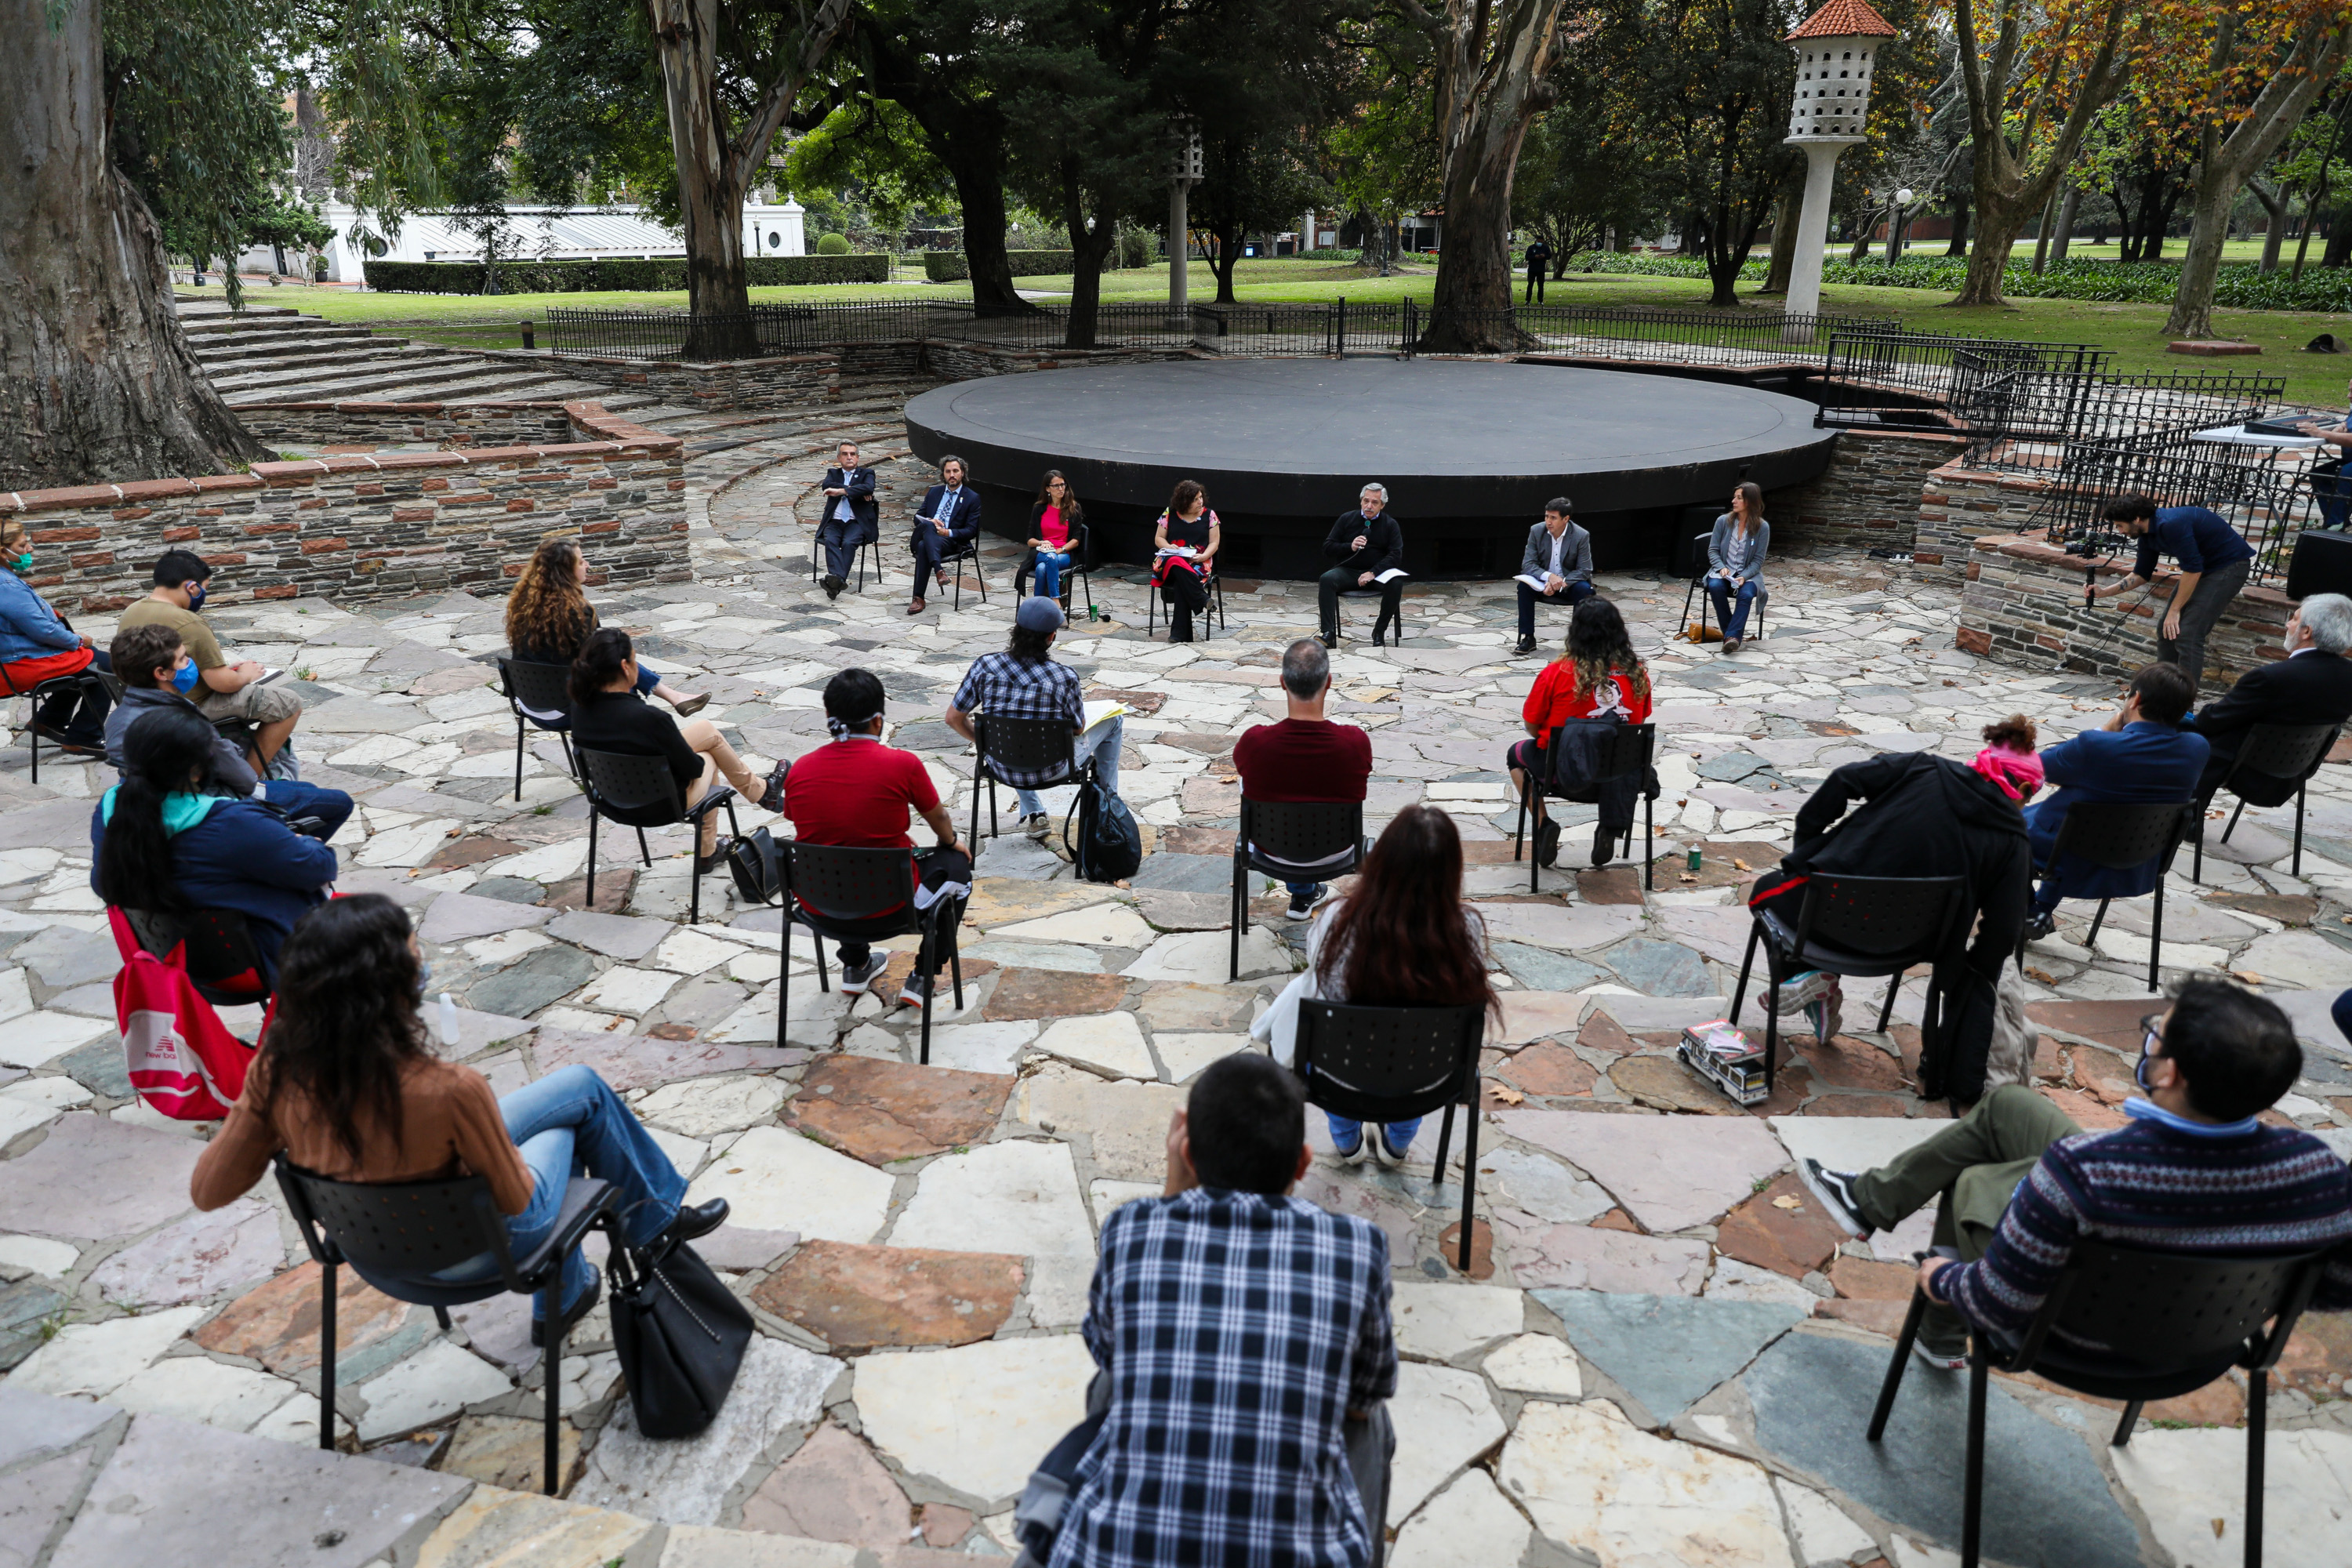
pixel 2151 1034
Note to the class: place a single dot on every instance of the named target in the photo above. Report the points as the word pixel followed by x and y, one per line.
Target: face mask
pixel 196 597
pixel 184 678
pixel 25 562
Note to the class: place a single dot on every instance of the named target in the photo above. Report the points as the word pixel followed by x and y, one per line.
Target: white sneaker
pixel 1792 996
pixel 855 980
pixel 1038 827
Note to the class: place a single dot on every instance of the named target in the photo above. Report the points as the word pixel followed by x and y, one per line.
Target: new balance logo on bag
pixel 182 1059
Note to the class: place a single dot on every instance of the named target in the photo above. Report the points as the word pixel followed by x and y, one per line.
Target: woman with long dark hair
pixel 346 1085
pixel 1185 541
pixel 1054 524
pixel 1598 678
pixel 167 840
pixel 548 616
pixel 1400 937
pixel 609 714
pixel 1735 561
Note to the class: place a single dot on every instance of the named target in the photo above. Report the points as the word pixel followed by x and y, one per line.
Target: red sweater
pixel 1555 697
pixel 1304 759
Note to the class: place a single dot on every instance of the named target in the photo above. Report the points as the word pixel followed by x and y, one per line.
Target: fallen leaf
pixel 2043 975
pixel 1785 1202
pixel 1738 864
pixel 2248 976
pixel 1506 1093
pixel 2220 1525
pixel 1687 877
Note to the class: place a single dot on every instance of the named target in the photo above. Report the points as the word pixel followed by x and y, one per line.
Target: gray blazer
pixel 1727 552
pixel 1575 553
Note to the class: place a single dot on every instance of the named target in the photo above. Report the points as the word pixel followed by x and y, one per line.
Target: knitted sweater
pixel 2160 1182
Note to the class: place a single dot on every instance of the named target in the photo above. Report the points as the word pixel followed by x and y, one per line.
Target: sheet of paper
pixel 1183 552
pixel 1532 581
pixel 1391 575
pixel 1100 712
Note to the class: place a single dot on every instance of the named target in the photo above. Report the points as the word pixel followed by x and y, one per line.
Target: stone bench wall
pixel 805 380
pixel 953 361
pixel 451 427
pixel 1959 506
pixel 2022 605
pixel 357 529
pixel 1869 496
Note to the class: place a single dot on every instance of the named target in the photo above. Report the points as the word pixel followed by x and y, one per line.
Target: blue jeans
pixel 571 1123
pixel 1344 1132
pixel 1103 748
pixel 1050 568
pixel 1575 594
pixel 332 807
pixel 1734 620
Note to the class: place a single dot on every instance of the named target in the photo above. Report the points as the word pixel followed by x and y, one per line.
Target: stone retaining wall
pixel 1957 506
pixel 358 529
pixel 2023 604
pixel 971 361
pixel 805 380
pixel 1869 496
pixel 450 426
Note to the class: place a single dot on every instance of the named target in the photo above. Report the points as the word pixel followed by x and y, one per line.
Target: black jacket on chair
pixel 1384 543
pixel 865 512
pixel 1576 749
pixel 2306 687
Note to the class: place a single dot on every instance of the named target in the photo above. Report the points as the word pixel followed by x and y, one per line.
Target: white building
pixel 539 234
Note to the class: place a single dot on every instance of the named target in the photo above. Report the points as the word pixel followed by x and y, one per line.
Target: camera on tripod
pixel 2102 543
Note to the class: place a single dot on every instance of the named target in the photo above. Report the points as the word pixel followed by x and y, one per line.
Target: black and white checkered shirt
pixel 1004 687
pixel 1237 1331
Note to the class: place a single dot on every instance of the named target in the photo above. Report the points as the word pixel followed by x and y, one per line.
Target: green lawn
pixel 2133 332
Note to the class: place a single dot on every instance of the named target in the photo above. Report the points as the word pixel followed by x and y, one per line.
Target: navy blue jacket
pixel 242 856
pixel 2139 762
pixel 2198 539
pixel 864 514
pixel 962 520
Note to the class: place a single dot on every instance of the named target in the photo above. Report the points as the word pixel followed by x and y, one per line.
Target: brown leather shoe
pixel 916 608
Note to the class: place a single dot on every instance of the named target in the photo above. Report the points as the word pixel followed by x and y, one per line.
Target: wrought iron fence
pixel 2265 492
pixel 2026 421
pixel 1886 377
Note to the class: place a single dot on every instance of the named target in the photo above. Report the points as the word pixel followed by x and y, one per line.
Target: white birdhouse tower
pixel 1837 52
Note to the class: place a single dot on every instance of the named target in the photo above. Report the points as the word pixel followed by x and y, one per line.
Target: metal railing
pixel 2027 423
pixel 1885 377
pixel 2264 492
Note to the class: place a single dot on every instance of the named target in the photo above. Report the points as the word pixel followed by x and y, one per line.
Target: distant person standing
pixel 1555 568
pixel 945 521
pixel 1365 542
pixel 852 518
pixel 1539 261
pixel 1734 562
pixel 2214 560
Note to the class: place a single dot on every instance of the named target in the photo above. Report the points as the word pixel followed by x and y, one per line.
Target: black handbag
pixel 680 1335
pixel 757 866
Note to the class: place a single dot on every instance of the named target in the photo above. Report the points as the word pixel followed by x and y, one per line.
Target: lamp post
pixel 1835 50
pixel 1895 202
pixel 1183 169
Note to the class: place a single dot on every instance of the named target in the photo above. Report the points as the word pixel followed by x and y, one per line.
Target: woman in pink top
pixel 1053 523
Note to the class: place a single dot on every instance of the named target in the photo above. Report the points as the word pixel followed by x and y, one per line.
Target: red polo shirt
pixel 858 793
pixel 1304 759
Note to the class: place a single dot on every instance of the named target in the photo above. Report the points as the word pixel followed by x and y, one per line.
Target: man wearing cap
pixel 1024 682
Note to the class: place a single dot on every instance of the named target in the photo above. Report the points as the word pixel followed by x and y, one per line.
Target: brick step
pixel 227 348
pixel 414 381
pixel 256 322
pixel 228 370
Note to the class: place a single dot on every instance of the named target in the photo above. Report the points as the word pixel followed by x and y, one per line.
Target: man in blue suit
pixel 2141 754
pixel 945 522
pixel 851 517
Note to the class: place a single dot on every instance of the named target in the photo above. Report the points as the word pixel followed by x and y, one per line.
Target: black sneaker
pixel 1526 644
pixel 1547 842
pixel 1303 904
pixel 1604 843
pixel 2041 925
pixel 1834 1191
pixel 856 978
pixel 579 1310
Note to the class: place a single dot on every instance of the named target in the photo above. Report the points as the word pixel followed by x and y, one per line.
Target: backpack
pixel 182 1059
pixel 1109 847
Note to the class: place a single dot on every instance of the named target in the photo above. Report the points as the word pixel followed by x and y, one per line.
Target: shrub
pixel 662 274
pixel 832 245
pixel 949 267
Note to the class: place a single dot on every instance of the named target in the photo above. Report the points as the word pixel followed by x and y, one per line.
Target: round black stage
pixel 1469 451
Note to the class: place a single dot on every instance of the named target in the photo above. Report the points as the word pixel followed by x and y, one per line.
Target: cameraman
pixel 2213 559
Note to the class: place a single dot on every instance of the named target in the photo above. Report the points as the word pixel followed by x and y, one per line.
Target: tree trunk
pixel 2339 240
pixel 98 385
pixel 1089 247
pixel 2065 236
pixel 1227 259
pixel 2274 222
pixel 2224 164
pixel 1959 241
pixel 974 155
pixel 1492 62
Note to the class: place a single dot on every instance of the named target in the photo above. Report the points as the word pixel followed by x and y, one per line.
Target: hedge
pixel 949 266
pixel 660 275
pixel 2240 286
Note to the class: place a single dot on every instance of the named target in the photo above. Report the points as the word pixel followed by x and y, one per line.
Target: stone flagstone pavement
pixel 1662 1353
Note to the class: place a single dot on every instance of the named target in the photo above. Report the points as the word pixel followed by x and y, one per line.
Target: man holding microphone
pixel 1366 542
pixel 2213 559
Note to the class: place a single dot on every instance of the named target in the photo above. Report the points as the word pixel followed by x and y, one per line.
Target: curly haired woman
pixel 548 616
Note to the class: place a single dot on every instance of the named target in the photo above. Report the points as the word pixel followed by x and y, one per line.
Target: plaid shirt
pixel 1237 1331
pixel 1008 687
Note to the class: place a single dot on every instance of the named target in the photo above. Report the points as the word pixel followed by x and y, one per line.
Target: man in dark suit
pixel 2141 755
pixel 944 523
pixel 1555 568
pixel 1365 542
pixel 2312 685
pixel 1538 262
pixel 851 516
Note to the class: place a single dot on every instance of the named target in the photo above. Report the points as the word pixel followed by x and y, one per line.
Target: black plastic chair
pixel 1215 608
pixel 1697 590
pixel 1859 926
pixel 398 1234
pixel 2172 1322
pixel 1081 548
pixel 1044 749
pixel 216 946
pixel 79 681
pixel 836 892
pixel 1377 591
pixel 539 694
pixel 2281 755
pixel 858 554
pixel 950 568
pixel 1631 749
pixel 1284 839
pixel 641 793
pixel 2121 836
pixel 1394 1064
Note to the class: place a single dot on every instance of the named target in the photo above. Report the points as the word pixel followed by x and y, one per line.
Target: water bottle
pixel 448 1021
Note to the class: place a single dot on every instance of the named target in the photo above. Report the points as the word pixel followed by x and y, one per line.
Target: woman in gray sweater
pixel 1735 561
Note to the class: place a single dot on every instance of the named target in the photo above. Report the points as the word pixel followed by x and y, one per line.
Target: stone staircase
pixel 271 354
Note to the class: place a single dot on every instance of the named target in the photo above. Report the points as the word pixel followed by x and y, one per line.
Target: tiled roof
pixel 1844 19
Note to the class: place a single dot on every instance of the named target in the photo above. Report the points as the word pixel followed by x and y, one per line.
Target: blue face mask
pixel 184 678
pixel 196 597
